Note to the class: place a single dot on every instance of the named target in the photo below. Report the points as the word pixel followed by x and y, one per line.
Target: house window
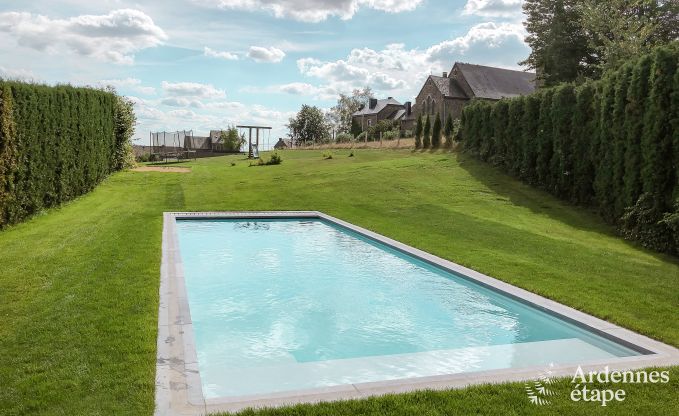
pixel 370 122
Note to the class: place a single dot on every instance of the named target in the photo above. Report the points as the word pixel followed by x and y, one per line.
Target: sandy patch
pixel 164 169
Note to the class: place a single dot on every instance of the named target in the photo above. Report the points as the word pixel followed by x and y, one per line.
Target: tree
pixel 125 121
pixel 418 133
pixel 560 50
pixel 347 105
pixel 436 133
pixel 448 132
pixel 8 153
pixel 309 125
pixel 426 140
pixel 619 29
pixel 231 140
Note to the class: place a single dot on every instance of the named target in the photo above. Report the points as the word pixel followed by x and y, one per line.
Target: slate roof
pixel 448 87
pixel 381 104
pixel 496 83
pixel 398 114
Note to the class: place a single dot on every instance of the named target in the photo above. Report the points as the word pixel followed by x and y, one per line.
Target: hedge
pixel 56 143
pixel 612 143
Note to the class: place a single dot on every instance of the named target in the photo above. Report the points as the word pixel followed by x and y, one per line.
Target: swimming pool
pixel 277 304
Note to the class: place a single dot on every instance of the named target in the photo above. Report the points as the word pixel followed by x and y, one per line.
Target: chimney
pixel 409 108
pixel 445 75
pixel 390 98
pixel 373 103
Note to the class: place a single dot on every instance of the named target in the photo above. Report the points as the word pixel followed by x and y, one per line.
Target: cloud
pixel 493 8
pixel 131 83
pixel 217 54
pixel 398 71
pixel 17 74
pixel 492 43
pixel 113 37
pixel 262 54
pixel 315 11
pixel 192 89
pixel 181 102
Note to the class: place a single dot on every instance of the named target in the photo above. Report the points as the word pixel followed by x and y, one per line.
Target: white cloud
pixel 131 83
pixel 17 74
pixel 497 43
pixel 315 10
pixel 262 54
pixel 398 71
pixel 113 37
pixel 192 89
pixel 493 8
pixel 181 102
pixel 220 54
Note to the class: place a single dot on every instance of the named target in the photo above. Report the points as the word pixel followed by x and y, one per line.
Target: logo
pixel 539 390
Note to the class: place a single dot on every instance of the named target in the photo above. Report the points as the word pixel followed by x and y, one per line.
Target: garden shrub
pixel 57 143
pixel 436 133
pixel 344 138
pixel 612 143
pixel 426 134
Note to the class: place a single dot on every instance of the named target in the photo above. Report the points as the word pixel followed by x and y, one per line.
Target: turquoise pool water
pixel 281 305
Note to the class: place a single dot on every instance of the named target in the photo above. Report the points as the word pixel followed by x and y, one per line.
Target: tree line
pixel 572 40
pixel 612 143
pixel 57 143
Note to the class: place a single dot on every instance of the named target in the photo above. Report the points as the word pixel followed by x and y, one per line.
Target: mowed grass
pixel 79 284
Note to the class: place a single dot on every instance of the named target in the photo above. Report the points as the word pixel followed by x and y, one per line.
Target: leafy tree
pixel 436 133
pixel 125 121
pixel 418 133
pixel 560 50
pixel 231 140
pixel 309 125
pixel 448 132
pixel 619 29
pixel 426 140
pixel 347 105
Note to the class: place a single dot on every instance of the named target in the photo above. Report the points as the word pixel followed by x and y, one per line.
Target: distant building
pixel 283 144
pixel 378 110
pixel 448 94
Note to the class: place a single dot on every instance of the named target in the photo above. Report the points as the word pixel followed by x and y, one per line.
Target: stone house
pixel 449 93
pixel 378 110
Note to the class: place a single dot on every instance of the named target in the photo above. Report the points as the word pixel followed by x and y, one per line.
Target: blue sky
pixel 205 64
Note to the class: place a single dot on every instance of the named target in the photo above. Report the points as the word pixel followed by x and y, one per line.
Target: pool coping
pixel 178 385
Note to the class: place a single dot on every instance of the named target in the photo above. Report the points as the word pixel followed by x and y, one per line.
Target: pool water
pixel 281 305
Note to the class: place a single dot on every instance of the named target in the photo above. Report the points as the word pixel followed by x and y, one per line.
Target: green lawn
pixel 79 284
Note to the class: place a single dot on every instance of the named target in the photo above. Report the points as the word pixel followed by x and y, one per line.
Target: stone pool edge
pixel 178 385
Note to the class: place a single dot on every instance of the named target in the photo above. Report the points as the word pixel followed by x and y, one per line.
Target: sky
pixel 207 64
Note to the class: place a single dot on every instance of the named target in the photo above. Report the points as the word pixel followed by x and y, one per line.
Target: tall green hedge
pixel 56 143
pixel 611 143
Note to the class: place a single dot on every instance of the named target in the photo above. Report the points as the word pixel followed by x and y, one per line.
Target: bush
pixel 143 158
pixel 57 143
pixel 391 135
pixel 327 156
pixel 406 134
pixel 231 140
pixel 344 138
pixel 612 143
pixel 363 136
pixel 275 159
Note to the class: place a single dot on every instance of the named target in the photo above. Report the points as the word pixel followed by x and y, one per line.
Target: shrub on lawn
pixel 344 138
pixel 436 133
pixel 418 133
pixel 57 143
pixel 426 134
pixel 612 143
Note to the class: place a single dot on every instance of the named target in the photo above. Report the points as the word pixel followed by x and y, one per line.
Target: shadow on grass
pixel 541 202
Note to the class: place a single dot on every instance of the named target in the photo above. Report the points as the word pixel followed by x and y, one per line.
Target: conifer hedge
pixel 611 143
pixel 56 143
